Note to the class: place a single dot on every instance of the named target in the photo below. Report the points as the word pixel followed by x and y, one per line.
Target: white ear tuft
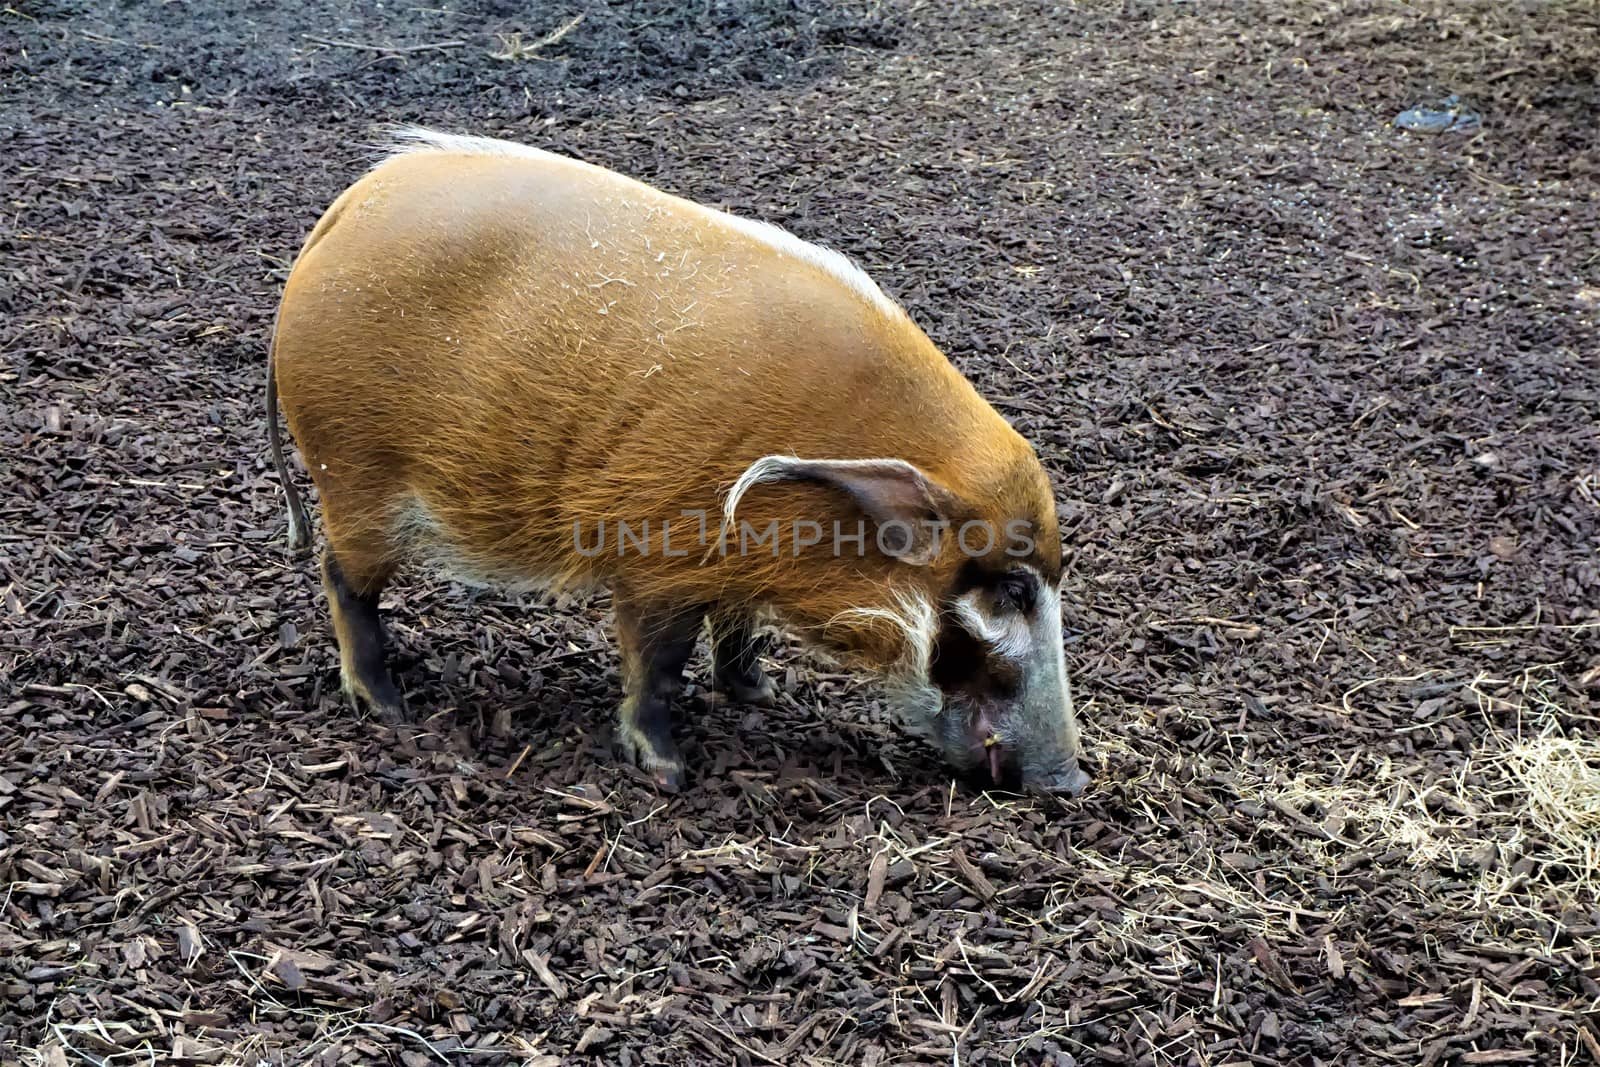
pixel 891 492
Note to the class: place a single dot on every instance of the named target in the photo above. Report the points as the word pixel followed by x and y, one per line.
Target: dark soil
pixel 1319 396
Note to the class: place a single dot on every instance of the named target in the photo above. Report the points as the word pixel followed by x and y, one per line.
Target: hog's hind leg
pixel 353 604
pixel 736 651
pixel 656 644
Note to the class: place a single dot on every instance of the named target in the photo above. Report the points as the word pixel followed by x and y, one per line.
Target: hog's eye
pixel 1018 591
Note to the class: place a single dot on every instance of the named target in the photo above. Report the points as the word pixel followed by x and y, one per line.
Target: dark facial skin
pixel 1007 717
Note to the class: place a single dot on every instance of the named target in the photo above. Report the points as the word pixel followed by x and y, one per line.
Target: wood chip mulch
pixel 1319 395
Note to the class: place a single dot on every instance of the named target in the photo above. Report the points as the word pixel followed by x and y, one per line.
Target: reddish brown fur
pixel 442 337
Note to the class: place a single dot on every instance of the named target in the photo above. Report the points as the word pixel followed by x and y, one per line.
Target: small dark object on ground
pixel 1448 114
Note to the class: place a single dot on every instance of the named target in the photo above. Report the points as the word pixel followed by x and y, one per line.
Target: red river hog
pixel 531 372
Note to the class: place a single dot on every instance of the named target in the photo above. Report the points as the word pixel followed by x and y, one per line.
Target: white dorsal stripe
pixel 407 140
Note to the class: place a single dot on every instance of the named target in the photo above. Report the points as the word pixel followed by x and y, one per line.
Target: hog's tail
pixel 299 530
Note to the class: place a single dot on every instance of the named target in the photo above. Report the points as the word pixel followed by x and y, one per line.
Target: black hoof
pixel 762 693
pixel 381 699
pixel 656 757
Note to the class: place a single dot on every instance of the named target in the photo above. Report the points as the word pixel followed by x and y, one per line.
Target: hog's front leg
pixel 656 644
pixel 736 651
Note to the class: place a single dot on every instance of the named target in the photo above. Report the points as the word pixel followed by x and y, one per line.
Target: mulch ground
pixel 1319 396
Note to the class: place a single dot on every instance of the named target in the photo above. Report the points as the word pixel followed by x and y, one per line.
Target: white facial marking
pixel 1008 636
pixel 1052 641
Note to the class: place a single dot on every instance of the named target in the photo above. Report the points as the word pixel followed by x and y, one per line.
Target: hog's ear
pixel 910 509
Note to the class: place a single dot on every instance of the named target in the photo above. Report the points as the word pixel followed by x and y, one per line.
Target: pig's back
pixel 525 342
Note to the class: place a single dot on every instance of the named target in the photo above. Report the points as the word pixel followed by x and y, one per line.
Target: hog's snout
pixel 1069 781
pixel 1000 765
